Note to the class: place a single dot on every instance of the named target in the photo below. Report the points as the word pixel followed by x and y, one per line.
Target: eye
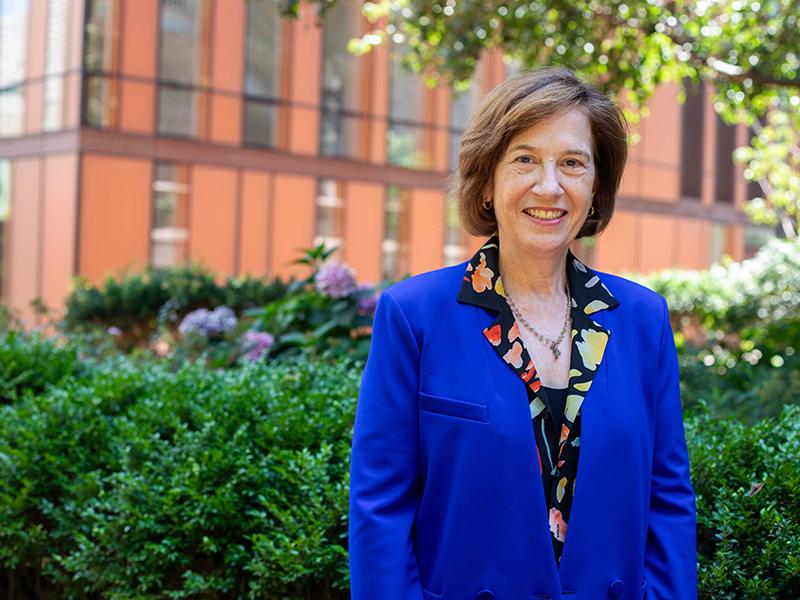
pixel 573 163
pixel 524 159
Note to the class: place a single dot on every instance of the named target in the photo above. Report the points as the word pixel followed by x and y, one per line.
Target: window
pixel 183 66
pixel 262 73
pixel 343 123
pixel 329 213
pixel 408 144
pixel 395 236
pixel 453 246
pixel 692 142
pixel 724 173
pixel 55 65
pixel 5 208
pixel 169 233
pixel 462 106
pixel 101 63
pixel 13 63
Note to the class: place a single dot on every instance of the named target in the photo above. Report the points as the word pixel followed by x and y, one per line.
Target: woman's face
pixel 543 184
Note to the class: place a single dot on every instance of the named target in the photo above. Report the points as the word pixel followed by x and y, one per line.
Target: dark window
pixel 13 65
pixel 329 217
pixel 343 123
pixel 462 106
pixel 169 233
pixel 408 136
pixel 262 73
pixel 396 232
pixel 183 66
pixel 692 142
pixel 101 62
pixel 724 173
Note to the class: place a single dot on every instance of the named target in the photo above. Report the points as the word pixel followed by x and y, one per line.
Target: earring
pixel 487 204
pixel 591 210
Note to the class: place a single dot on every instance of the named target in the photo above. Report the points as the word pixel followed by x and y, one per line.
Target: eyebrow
pixel 535 149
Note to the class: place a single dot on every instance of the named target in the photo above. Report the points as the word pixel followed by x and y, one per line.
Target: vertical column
pixel 426 243
pixel 255 223
pixel 304 82
pixel 139 30
pixel 212 218
pixel 293 215
pixel 363 229
pixel 34 92
pixel 74 64
pixel 709 146
pixel 379 102
pixel 226 71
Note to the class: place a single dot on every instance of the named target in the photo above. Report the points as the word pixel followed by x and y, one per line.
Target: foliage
pixel 747 483
pixel 139 482
pixel 129 480
pixel 773 161
pixel 743 307
pixel 137 303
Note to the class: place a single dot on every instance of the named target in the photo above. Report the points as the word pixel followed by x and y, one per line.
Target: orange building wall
pixel 25 235
pixel 115 215
pixel 293 208
pixel 254 232
pixel 60 211
pixel 363 230
pixel 212 218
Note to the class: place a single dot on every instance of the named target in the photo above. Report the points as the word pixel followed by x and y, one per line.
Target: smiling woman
pixel 482 390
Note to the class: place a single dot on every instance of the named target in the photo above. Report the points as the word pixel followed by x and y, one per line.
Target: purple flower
pixel 113 330
pixel 256 343
pixel 367 299
pixel 335 280
pixel 208 323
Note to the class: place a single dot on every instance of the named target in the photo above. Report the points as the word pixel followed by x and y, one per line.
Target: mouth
pixel 545 215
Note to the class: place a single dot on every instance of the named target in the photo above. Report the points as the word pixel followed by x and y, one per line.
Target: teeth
pixel 545 214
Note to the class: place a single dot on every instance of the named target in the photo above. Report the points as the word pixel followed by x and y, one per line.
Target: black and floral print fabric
pixel 557 440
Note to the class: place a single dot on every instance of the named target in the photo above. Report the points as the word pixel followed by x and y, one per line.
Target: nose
pixel 547 182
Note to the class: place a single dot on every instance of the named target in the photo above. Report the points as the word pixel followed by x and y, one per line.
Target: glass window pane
pixel 328 226
pixel 406 146
pixel 263 49
pixel 100 100
pixel 395 237
pixel 260 124
pixel 453 247
pixel 55 55
pixel 177 111
pixel 170 233
pixel 184 25
pixel 12 111
pixel 100 53
pixel 13 41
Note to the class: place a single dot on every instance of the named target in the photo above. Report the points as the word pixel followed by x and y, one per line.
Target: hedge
pixel 128 480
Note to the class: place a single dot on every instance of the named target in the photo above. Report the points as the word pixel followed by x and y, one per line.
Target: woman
pixel 521 437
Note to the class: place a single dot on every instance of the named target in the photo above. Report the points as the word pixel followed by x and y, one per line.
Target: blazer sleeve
pixel 671 550
pixel 384 468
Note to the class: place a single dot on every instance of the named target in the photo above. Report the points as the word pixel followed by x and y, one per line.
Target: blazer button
pixel 616 587
pixel 485 595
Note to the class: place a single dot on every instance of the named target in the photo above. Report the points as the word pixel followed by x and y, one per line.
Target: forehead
pixel 570 128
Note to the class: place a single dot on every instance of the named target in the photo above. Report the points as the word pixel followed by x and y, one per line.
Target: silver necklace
pixel 552 344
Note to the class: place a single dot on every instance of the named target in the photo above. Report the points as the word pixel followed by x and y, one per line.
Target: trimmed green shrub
pixel 139 482
pixel 747 482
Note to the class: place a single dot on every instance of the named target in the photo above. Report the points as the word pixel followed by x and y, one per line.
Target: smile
pixel 545 214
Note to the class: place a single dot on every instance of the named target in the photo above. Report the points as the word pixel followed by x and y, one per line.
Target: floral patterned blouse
pixel 557 439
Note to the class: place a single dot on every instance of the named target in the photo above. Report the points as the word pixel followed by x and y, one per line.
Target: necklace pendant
pixel 556 351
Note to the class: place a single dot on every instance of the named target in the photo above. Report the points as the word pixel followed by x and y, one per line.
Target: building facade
pixel 137 132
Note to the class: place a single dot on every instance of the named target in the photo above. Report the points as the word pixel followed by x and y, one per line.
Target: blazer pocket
pixel 454 408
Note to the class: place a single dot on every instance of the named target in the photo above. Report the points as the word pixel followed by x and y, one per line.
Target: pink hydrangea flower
pixel 335 280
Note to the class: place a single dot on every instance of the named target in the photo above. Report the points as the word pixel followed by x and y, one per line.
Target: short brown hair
pixel 519 103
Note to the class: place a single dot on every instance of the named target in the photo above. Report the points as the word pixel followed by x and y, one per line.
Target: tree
pixel 749 50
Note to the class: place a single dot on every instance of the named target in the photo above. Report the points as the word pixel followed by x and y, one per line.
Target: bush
pixel 747 482
pixel 743 306
pixel 139 482
pixel 137 303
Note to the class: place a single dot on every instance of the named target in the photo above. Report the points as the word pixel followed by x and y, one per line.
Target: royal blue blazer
pixel 446 500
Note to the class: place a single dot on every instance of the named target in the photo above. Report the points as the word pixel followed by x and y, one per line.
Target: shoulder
pixel 427 296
